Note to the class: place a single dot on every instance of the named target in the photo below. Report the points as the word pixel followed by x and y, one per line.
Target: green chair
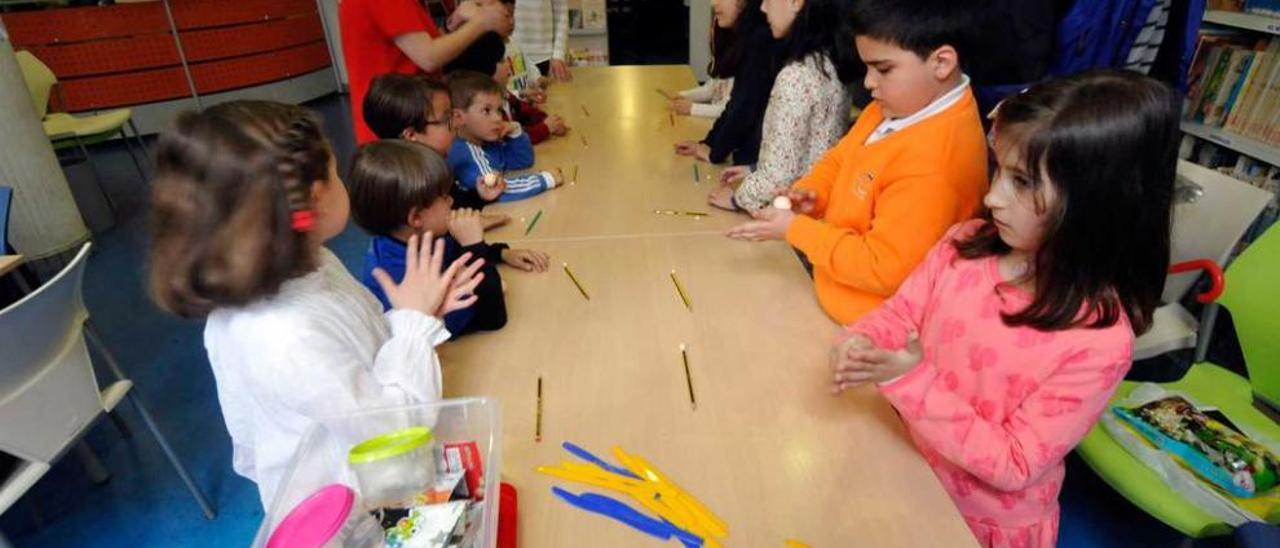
pixel 1252 295
pixel 67 131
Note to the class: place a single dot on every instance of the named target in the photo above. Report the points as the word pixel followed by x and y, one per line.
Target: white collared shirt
pixel 891 125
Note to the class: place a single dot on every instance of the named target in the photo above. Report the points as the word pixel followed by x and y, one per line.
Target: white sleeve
pixel 560 40
pixel 319 373
pixel 706 110
pixel 700 94
pixel 787 121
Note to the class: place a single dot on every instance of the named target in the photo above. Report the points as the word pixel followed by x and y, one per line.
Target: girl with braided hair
pixel 246 194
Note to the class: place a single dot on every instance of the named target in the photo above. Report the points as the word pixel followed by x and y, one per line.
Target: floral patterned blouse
pixel 808 112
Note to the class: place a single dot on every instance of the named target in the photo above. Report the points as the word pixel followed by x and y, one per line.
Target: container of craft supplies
pixel 329 518
pixel 394 467
pixel 323 458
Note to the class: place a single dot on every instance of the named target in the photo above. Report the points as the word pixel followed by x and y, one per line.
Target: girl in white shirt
pixel 709 99
pixel 246 194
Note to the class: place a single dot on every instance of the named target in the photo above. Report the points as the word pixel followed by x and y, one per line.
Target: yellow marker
pixel 793 543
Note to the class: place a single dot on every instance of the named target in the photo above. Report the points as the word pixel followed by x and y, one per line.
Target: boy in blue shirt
pixel 488 146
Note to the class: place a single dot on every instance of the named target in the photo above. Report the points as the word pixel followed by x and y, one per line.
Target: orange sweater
pixel 882 206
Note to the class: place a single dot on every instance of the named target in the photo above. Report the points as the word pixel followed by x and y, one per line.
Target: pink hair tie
pixel 303 220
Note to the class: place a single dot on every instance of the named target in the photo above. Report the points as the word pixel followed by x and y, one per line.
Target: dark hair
pixel 481 56
pixel 465 85
pixel 823 28
pixel 919 26
pixel 722 42
pixel 1107 141
pixel 729 54
pixel 391 177
pixel 227 183
pixel 396 102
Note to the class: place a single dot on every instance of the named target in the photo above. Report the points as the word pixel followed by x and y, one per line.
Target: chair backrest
pixel 47 388
pixel 1252 296
pixel 40 81
pixel 6 198
pixel 1209 226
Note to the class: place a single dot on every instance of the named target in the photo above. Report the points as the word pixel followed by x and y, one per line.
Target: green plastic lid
pixel 389 445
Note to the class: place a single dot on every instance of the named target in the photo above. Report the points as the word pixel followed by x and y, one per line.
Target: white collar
pixel 888 125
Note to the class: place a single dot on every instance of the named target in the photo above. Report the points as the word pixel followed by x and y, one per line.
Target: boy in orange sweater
pixel 914 164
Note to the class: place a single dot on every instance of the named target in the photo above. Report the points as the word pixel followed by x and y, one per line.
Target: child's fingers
pixel 435 261
pixel 384 280
pixel 459 269
pixel 469 284
pixel 411 257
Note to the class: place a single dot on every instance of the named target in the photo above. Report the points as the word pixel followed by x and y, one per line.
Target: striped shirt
pixel 542 29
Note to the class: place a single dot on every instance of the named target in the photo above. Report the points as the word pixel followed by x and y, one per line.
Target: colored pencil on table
pixel 696 178
pixel 584 140
pixel 584 111
pixel 673 118
pixel 688 379
pixel 537 432
pixel 575 173
pixel 680 289
pixel 576 282
pixel 533 222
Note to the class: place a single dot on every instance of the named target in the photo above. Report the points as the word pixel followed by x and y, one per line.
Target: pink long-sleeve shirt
pixel 993 408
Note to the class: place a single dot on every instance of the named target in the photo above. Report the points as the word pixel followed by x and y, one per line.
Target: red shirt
pixel 369 31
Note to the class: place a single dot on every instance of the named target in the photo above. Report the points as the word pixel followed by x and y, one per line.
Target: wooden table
pixel 10 262
pixel 767 447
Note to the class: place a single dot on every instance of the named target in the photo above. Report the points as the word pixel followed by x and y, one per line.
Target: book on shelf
pixel 1234 84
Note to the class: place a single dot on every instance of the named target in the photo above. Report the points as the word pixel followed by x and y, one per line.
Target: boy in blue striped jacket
pixel 487 146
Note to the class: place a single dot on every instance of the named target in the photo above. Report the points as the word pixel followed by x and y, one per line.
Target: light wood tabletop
pixel 767 447
pixel 10 262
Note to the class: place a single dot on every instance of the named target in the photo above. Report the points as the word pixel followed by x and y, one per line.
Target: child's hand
pixel 858 361
pixel 491 193
pixel 465 226
pixel 802 200
pixel 695 149
pixel 680 105
pixel 557 126
pixel 491 221
pixel 424 286
pixel 734 175
pixel 511 127
pixel 769 224
pixel 462 291
pixel 527 260
pixel 722 197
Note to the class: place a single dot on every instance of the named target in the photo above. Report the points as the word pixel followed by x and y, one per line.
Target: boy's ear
pixel 416 219
pixel 945 62
pixel 408 134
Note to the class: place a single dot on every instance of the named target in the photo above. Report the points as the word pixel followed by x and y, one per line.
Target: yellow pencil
pixel 537 432
pixel 688 379
pixel 584 111
pixel 575 173
pixel 680 289
pixel 575 281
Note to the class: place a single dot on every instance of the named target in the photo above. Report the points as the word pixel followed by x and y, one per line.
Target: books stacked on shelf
pixel 1235 85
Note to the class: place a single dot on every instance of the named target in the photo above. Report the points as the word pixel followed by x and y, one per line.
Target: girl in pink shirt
pixel 1003 347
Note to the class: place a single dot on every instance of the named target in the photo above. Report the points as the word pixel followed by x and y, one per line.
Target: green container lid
pixel 389 445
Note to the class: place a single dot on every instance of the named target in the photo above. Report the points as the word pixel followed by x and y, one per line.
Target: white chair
pixel 49 396
pixel 1212 211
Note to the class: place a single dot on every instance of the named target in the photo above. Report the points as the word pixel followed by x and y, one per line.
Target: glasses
pixel 447 123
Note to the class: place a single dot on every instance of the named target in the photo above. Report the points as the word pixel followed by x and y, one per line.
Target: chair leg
pixel 120 425
pixel 210 512
pixel 84 151
pixel 1208 317
pixel 142 173
pixel 92 466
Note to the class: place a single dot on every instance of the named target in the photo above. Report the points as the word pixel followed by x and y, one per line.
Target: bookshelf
pixel 1240 20
pixel 1239 143
pixel 1254 148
